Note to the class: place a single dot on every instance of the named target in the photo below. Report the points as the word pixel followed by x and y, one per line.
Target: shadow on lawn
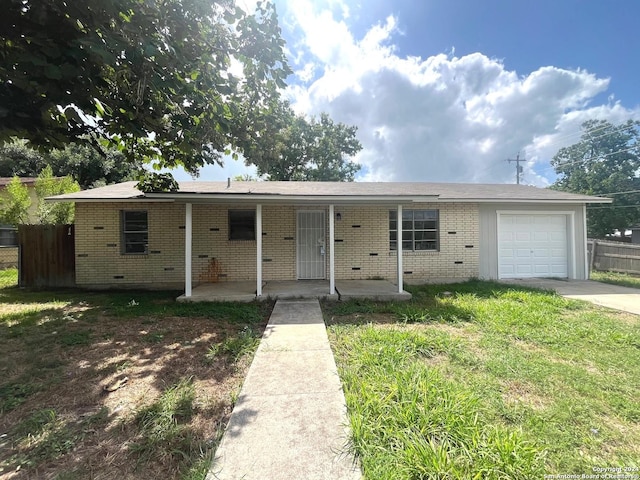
pixel 64 350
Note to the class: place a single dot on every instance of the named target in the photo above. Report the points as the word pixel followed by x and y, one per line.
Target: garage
pixel 532 245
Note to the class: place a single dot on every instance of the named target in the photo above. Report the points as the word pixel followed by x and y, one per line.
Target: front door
pixel 311 244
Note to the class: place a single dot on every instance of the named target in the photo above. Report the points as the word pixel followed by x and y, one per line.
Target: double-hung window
pixel 419 230
pixel 135 232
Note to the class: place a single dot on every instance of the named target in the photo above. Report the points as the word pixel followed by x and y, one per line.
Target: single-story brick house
pixel 269 231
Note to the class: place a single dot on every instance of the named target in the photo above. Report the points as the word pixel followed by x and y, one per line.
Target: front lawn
pixel 488 381
pixel 117 385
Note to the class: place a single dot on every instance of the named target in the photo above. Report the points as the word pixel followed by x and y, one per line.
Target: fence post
pixel 592 260
pixel 20 282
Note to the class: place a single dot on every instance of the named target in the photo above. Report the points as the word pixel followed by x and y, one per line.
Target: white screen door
pixel 311 244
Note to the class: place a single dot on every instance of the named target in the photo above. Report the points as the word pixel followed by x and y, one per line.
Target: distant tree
pixel 308 150
pixel 82 162
pixel 47 185
pixel 15 203
pixel 18 159
pixel 153 77
pixel 244 178
pixel 606 161
pixel 91 169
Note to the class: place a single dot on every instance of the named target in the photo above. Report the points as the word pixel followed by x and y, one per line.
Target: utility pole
pixel 518 167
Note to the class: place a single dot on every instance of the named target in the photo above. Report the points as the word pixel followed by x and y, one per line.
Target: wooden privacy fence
pixel 614 256
pixel 47 256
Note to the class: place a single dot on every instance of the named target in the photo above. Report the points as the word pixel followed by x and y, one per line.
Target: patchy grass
pixel 8 277
pixel 236 346
pixel 622 279
pixel 120 384
pixel 483 380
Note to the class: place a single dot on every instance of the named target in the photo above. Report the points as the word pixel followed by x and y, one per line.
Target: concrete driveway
pixel 613 296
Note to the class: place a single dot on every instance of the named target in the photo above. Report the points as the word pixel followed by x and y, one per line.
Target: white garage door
pixel 532 246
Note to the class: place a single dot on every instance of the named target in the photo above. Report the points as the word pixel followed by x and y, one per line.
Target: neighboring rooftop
pixel 4 181
pixel 412 191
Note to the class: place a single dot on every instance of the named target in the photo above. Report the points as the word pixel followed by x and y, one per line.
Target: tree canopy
pixel 14 203
pixel 606 162
pixel 81 162
pixel 295 148
pixel 176 81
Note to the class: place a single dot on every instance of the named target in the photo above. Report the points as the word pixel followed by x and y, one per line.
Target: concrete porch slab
pixel 245 291
pixel 222 292
pixel 380 290
pixel 292 289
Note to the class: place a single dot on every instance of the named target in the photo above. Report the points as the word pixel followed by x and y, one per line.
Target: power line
pixel 590 158
pixel 518 167
pixel 613 206
pixel 616 193
pixel 560 140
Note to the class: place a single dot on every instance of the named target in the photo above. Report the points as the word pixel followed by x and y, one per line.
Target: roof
pixel 4 181
pixel 199 191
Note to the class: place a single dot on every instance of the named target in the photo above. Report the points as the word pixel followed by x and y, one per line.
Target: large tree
pixel 176 81
pixel 606 161
pixel 297 148
pixel 82 162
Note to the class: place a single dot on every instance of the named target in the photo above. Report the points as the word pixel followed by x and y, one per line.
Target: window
pixel 242 224
pixel 8 236
pixel 419 230
pixel 135 232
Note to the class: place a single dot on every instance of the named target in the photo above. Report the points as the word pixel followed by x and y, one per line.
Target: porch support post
pixel 332 259
pixel 258 250
pixel 188 235
pixel 399 248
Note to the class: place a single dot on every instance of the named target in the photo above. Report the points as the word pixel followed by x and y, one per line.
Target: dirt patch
pixel 521 392
pixel 86 380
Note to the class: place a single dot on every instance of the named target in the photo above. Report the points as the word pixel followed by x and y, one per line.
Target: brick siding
pixel 361 248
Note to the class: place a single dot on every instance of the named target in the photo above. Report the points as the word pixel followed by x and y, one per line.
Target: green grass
pixel 491 382
pixel 46 436
pixel 622 279
pixel 162 425
pixel 235 346
pixel 8 277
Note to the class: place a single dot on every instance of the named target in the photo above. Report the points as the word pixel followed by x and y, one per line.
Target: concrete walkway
pixel 290 419
pixel 604 294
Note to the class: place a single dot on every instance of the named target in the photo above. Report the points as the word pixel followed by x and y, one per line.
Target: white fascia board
pixel 512 200
pixel 293 199
pixel 111 200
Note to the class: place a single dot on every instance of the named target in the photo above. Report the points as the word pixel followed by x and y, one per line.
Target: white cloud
pixel 441 118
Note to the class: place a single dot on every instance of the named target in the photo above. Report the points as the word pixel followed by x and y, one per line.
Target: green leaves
pixel 151 77
pixel 14 207
pixel 606 162
pixel 58 213
pixel 157 182
pixel 294 148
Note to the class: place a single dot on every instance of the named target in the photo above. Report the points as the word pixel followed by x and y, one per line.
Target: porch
pixel 246 291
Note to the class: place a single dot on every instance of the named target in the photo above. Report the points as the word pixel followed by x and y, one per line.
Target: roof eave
pixel 524 200
pixel 280 199
pixel 138 198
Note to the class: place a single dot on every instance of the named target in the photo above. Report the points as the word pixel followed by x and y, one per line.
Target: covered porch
pixel 318 253
pixel 381 290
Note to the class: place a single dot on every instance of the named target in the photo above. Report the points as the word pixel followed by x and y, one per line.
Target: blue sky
pixel 447 90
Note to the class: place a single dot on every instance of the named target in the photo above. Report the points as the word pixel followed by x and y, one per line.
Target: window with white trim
pixel 420 230
pixel 135 232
